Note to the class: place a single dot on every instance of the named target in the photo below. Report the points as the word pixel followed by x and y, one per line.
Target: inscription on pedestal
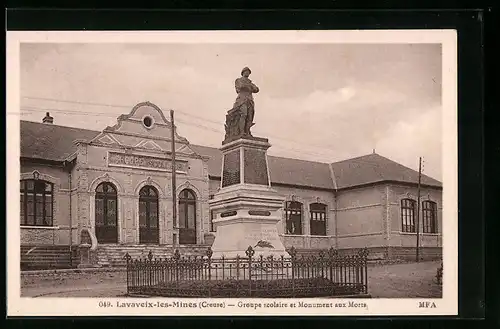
pixel 231 170
pixel 228 214
pixel 259 213
pixel 255 167
pixel 267 235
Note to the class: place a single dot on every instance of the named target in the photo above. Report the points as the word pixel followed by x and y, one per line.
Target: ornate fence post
pixel 282 265
pixel 293 254
pixel 271 259
pixel 238 268
pixel 149 266
pixel 363 254
pixel 223 261
pixel 322 263
pixel 162 266
pixel 176 257
pixel 136 277
pixel 140 273
pixel 127 258
pixel 250 252
pixel 209 255
pixel 332 253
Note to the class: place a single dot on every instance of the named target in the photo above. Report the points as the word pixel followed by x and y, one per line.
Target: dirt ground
pixel 410 280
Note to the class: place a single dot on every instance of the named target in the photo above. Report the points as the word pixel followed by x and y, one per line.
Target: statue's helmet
pixel 246 69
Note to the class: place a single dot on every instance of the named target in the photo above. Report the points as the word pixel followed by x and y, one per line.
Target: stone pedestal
pixel 85 257
pixel 246 208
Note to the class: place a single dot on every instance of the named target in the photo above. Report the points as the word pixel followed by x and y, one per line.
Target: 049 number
pixel 104 304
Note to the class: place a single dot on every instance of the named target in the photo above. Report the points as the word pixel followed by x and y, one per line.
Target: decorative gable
pixel 147 120
pixel 107 139
pixel 145 127
pixel 149 144
pixel 184 149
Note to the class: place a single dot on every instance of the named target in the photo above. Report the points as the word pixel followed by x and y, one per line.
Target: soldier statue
pixel 240 118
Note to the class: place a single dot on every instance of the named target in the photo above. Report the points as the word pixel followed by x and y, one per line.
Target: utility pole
pixel 174 188
pixel 418 208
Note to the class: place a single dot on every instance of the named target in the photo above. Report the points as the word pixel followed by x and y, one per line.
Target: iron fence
pixel 328 274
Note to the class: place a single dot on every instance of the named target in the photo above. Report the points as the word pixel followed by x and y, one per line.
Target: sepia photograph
pixel 233 172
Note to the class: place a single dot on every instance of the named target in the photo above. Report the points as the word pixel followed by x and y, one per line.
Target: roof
pixel 375 168
pixel 49 141
pixel 53 142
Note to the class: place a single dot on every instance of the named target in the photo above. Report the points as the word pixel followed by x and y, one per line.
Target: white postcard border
pixel 448 305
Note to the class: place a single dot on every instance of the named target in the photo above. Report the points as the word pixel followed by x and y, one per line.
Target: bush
pixel 312 287
pixel 439 274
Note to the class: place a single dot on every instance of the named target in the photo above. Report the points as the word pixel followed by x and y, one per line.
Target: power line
pixel 177 111
pixel 278 144
pixel 81 113
pixel 74 102
pixel 110 115
pixel 108 105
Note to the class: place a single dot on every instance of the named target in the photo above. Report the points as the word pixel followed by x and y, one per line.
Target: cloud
pixel 419 135
pixel 318 102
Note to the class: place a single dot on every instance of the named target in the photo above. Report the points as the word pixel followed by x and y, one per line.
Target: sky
pixel 318 102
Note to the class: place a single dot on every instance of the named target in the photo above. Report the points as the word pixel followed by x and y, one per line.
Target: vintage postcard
pixel 232 173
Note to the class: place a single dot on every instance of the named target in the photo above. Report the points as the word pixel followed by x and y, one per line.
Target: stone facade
pixel 131 155
pixel 367 216
pixel 361 217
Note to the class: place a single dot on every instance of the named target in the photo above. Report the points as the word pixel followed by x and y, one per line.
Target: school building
pixel 111 189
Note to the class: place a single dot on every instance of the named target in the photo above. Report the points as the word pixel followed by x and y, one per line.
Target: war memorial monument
pixel 246 207
pixel 247 257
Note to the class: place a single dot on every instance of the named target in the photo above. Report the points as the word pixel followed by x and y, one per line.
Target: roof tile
pixel 53 142
pixel 374 168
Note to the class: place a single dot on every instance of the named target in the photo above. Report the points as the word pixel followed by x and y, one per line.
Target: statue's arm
pixel 238 86
pixel 241 85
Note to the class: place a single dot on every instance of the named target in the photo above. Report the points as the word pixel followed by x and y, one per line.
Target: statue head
pixel 246 72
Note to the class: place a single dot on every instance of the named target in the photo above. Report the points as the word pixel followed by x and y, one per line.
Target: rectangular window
pixel 36 203
pixel 408 215
pixel 293 213
pixel 39 221
pixel 30 204
pixel 429 212
pixel 48 210
pixel 318 219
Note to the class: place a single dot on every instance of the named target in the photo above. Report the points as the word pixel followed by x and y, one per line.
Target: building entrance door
pixel 187 217
pixel 106 206
pixel 148 216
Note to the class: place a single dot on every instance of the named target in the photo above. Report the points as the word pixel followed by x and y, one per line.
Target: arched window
pixel 429 212
pixel 318 218
pixel 293 214
pixel 148 215
pixel 187 217
pixel 37 202
pixel 106 213
pixel 408 207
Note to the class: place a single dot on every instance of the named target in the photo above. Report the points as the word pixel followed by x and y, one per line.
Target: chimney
pixel 48 119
